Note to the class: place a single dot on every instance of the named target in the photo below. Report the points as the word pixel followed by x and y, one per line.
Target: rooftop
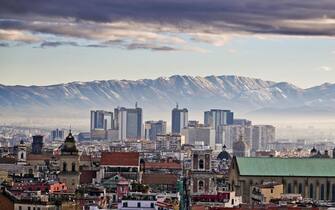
pixel 120 158
pixel 170 179
pixel 299 167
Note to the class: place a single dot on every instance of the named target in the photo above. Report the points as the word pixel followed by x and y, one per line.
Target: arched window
pixel 322 192
pixel 300 190
pixel 311 190
pixel 200 185
pixel 22 155
pixel 73 167
pixel 64 166
pixel 333 192
pixel 289 188
pixel 201 164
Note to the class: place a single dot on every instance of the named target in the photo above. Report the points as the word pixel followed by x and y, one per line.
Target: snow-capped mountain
pixel 241 94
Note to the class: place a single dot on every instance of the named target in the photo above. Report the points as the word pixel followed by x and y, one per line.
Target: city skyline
pixel 97 41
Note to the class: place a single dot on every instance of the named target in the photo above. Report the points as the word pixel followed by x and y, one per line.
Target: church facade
pixel 69 164
pixel 311 177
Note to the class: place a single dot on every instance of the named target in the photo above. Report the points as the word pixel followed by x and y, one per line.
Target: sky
pixel 48 42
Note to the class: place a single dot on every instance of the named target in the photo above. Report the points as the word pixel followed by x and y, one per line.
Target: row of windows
pixel 65 167
pixel 29 208
pixel 125 204
pixel 323 190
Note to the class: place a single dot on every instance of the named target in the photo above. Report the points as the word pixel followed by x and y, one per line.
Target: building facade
pixel 69 164
pixel 154 128
pixel 311 177
pixel 179 119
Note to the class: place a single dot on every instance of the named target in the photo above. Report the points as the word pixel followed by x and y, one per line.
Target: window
pixel 152 205
pixel 301 190
pixel 232 201
pixel 200 185
pixel 139 205
pixel 64 166
pixel 20 207
pixel 271 190
pixel 322 192
pixel 201 164
pixel 289 188
pixel 38 208
pixel 22 155
pixel 28 207
pixel 125 204
pixel 311 189
pixel 73 167
pixel 333 192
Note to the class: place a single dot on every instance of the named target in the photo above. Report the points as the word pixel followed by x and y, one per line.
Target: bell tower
pixel 21 153
pixel 69 164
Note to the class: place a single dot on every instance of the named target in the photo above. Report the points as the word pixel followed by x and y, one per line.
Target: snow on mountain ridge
pixel 226 91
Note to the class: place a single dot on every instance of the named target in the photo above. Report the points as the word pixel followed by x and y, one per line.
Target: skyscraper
pixel 57 134
pixel 217 118
pixel 37 145
pixel 179 119
pixel 101 122
pixel 129 122
pixel 154 128
pixel 101 119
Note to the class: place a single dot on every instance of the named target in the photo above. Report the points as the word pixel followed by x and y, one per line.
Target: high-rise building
pixel 169 142
pixel 241 148
pixel 195 135
pixel 101 119
pixel 243 122
pixel 179 119
pixel 217 118
pixel 154 128
pixel 57 134
pixel 37 145
pixel 262 135
pixel 101 122
pixel 129 122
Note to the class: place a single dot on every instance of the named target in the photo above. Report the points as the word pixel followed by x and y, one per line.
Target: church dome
pixel 69 145
pixel 313 151
pixel 224 155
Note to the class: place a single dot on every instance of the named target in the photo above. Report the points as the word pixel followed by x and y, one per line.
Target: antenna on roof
pixel 136 104
pixel 177 105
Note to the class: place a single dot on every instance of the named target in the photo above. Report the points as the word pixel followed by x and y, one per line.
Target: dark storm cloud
pixel 57 44
pixel 90 19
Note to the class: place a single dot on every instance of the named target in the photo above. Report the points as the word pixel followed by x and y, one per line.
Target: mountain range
pixel 247 96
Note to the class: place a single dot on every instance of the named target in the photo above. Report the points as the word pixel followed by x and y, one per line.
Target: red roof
pixel 170 179
pixel 120 159
pixel 85 158
pixel 32 157
pixel 163 165
pixel 87 176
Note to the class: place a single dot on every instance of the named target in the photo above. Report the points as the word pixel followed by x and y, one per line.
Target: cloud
pixel 2 44
pixel 326 68
pixel 170 23
pixel 16 35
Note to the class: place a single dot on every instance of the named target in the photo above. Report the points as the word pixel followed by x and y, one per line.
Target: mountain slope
pixel 159 95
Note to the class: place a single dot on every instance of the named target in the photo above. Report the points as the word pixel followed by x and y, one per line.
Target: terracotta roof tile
pixel 120 158
pixel 86 177
pixel 31 157
pixel 170 179
pixel 164 165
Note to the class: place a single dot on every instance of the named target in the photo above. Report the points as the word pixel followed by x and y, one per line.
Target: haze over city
pixel 167 105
